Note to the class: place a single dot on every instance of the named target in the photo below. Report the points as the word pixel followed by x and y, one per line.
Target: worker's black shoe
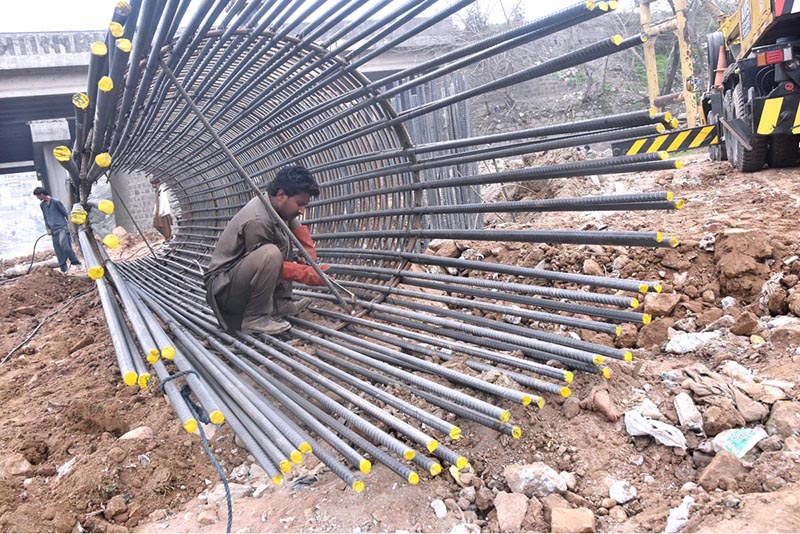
pixel 291 307
pixel 264 324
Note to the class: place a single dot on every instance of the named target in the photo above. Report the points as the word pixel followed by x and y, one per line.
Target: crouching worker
pixel 249 279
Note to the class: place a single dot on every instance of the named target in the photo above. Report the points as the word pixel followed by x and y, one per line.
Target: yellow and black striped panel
pixel 771 111
pixel 671 141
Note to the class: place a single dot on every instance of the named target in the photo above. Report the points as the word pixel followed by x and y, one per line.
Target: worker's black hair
pixel 41 191
pixel 293 180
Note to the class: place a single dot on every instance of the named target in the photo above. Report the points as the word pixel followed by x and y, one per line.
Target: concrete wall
pixel 136 192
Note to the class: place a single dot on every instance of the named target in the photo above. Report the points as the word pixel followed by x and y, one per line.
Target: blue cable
pixel 203 417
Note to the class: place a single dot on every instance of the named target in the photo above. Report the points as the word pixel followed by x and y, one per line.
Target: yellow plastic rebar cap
pixel 105 84
pixel 123 45
pixel 130 378
pixel 99 49
pixel 190 426
pixel 116 29
pixel 168 352
pixel 617 39
pixel 62 153
pixel 217 417
pixel 96 272
pixel 365 466
pixel 80 100
pixel 106 206
pixel 103 159
pixel 111 241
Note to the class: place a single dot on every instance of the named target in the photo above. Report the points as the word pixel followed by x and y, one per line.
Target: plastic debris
pixel 738 441
pixel 679 516
pixel 637 424
pixel 688 414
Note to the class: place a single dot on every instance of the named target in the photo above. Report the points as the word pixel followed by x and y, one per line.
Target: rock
pixel 793 301
pixel 552 502
pixel 723 472
pixel 592 268
pixel 157 515
pixel 718 418
pixel 608 503
pixel 484 498
pixel 627 336
pixel 445 248
pixel 792 444
pixel 757 340
pixel 534 517
pixel 728 302
pixel 751 411
pixel 622 491
pixel 736 371
pixel 15 464
pixel 85 341
pixel 618 514
pixel 673 259
pixel 238 491
pixel 536 479
pixel 655 333
pixel 785 336
pixel 745 324
pixel 723 323
pixel 25 310
pixel 207 516
pixel 114 507
pixel 776 302
pixel 439 508
pixel 709 317
pixel 771 444
pixel 688 414
pixel 599 400
pixel 469 493
pixel 260 490
pixel 686 343
pixel 571 407
pixel 660 304
pixel 575 499
pixel 239 473
pixel 570 479
pixel 64 521
pixel 511 509
pixel 257 472
pixel 143 432
pixel 784 420
pixel 708 296
pixel 577 520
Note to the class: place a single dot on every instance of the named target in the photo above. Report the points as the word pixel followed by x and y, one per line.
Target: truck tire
pixel 742 159
pixel 713 42
pixel 783 151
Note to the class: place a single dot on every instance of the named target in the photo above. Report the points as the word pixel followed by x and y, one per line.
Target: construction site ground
pixel 63 466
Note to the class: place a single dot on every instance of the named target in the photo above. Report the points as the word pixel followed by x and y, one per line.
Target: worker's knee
pixel 269 254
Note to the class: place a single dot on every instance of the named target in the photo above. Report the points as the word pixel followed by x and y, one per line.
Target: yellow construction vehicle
pixel 753 96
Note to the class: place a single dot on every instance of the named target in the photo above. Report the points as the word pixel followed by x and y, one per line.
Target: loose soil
pixel 64 407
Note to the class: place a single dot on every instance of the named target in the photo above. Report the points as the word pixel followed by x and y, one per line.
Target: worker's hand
pixel 304 274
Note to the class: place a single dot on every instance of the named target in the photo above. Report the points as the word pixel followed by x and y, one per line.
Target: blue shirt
pixel 55 214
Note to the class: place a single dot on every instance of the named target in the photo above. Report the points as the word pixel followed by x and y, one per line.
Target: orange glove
pixel 304 274
pixel 304 236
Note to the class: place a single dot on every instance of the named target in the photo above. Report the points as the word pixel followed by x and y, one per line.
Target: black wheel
pixel 742 159
pixel 784 151
pixel 714 41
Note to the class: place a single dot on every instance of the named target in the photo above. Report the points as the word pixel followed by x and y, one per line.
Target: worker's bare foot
pixel 600 401
pixel 264 324
pixel 291 307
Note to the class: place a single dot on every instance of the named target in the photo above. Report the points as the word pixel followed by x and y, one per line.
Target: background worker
pixel 248 281
pixel 55 219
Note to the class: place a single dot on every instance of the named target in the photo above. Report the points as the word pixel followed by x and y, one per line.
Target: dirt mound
pixel 63 414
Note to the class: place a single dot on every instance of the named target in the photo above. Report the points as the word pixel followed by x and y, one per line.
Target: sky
pixel 71 15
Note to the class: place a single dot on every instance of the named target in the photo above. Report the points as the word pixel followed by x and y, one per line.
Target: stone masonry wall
pixel 138 195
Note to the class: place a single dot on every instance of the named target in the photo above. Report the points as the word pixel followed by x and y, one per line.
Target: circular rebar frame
pixel 213 111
